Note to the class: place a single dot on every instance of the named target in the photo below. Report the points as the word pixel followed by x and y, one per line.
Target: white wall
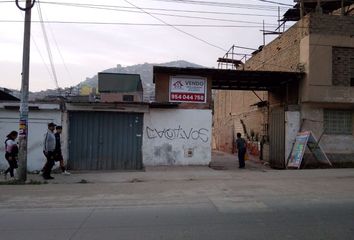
pixel 292 127
pixel 169 134
pixel 38 120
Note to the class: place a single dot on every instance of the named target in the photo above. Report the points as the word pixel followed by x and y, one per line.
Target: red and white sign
pixel 188 89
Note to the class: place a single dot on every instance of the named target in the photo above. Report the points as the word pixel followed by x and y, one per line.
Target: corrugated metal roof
pixel 119 82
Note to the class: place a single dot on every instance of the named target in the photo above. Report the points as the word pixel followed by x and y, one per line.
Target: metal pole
pixel 264 40
pixel 23 123
pixel 302 9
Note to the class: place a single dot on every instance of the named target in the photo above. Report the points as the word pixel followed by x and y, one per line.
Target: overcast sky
pixel 82 50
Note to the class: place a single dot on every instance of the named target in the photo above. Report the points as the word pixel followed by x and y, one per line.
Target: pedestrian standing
pixel 11 153
pixel 58 156
pixel 48 150
pixel 241 150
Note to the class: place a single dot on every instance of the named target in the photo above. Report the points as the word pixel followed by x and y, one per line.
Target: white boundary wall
pixel 177 137
pixel 38 120
pixel 292 127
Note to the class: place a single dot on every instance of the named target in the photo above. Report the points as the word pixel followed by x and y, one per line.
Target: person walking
pixel 48 150
pixel 58 156
pixel 241 150
pixel 11 153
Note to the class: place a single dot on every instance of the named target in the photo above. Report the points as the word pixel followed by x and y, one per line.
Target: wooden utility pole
pixel 23 124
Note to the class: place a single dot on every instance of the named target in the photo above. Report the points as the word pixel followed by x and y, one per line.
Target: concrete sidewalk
pixel 221 162
pixel 227 161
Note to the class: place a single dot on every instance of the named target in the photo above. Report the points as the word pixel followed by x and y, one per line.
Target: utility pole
pixel 302 9
pixel 23 123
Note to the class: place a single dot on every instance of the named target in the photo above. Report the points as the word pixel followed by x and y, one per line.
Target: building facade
pixel 120 87
pixel 322 46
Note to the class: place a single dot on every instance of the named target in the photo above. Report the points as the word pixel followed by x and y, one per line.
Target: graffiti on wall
pixel 200 134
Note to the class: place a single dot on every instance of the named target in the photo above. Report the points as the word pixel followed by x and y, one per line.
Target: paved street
pixel 183 203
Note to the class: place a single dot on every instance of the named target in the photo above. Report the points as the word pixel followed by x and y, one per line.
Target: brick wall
pixel 283 53
pixel 230 107
pixel 342 60
pixel 331 25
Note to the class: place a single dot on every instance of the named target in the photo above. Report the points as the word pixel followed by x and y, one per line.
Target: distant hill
pixel 145 70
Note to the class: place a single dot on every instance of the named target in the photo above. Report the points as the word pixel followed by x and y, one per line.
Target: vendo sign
pixel 188 89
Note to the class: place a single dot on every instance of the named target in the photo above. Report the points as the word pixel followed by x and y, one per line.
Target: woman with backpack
pixel 11 152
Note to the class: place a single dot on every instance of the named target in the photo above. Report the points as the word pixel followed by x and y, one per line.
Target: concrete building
pixel 321 46
pixel 177 128
pixel 120 87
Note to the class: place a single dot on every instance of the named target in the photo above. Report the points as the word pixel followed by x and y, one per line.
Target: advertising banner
pixel 303 140
pixel 189 89
pixel 298 150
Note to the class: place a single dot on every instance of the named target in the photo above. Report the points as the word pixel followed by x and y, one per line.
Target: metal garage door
pixel 277 138
pixel 105 140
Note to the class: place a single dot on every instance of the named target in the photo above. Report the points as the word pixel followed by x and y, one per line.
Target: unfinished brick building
pixel 321 46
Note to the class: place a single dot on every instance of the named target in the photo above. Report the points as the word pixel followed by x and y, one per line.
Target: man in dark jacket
pixel 58 156
pixel 241 150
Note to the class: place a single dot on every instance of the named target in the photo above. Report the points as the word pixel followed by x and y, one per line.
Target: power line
pixel 136 24
pixel 40 54
pixel 102 7
pixel 50 56
pixel 162 9
pixel 58 49
pixel 178 29
pixel 226 4
pixel 278 3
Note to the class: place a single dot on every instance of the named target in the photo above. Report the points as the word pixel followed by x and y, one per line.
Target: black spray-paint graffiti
pixel 201 134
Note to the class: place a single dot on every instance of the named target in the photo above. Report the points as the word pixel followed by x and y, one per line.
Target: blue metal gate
pixel 105 141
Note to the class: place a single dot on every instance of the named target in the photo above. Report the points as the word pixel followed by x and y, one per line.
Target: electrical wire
pixel 109 7
pixel 226 4
pixel 46 40
pixel 162 9
pixel 40 53
pixel 278 3
pixel 135 24
pixel 178 29
pixel 58 49
pixel 162 14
